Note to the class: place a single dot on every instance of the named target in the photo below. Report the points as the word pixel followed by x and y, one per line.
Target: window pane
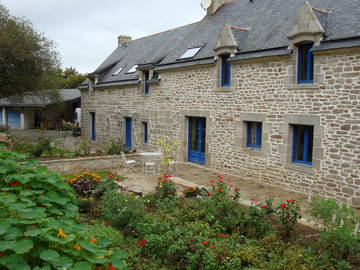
pixel 194 135
pixel 303 63
pixel 310 144
pixel 225 70
pixel 203 135
pixel 299 143
pixel 190 53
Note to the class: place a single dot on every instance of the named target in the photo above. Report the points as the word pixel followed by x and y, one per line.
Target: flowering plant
pixel 288 213
pixel 39 226
pixel 85 183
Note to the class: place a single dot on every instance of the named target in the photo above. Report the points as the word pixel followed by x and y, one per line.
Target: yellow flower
pixel 61 234
pixel 77 247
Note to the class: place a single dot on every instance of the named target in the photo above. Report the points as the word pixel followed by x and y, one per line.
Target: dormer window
pixel 133 69
pixel 146 83
pixel 225 71
pixel 118 71
pixel 305 64
pixel 190 53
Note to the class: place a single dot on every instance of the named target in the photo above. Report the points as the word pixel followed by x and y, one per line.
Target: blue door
pixel 93 127
pixel 197 136
pixel 13 119
pixel 1 118
pixel 128 132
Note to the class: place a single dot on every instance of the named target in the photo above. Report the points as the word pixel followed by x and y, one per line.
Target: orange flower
pixel 77 247
pixel 212 247
pixel 93 240
pixel 61 234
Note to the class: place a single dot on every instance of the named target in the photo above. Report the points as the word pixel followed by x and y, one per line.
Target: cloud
pixel 86 31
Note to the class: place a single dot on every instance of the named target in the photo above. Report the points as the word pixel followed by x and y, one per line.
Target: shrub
pixel 85 183
pixel 83 147
pixel 288 213
pixel 221 206
pixel 122 210
pixel 38 221
pixel 165 188
pixel 115 148
pixel 4 128
pixel 337 233
pixel 43 145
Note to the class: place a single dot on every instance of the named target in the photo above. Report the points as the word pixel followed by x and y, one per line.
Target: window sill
pixel 300 168
pixel 225 88
pixel 254 151
pixel 304 86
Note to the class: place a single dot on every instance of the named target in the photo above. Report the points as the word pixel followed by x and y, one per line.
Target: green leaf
pixel 4 226
pixel 4 245
pixel 64 262
pixel 15 262
pixel 33 233
pixel 82 266
pixel 23 246
pixel 49 255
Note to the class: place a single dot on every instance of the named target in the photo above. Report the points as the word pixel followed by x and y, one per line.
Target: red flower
pixel 212 181
pixel 221 181
pixel 283 205
pixel 222 235
pixel 290 201
pixel 212 185
pixel 205 243
pixel 167 176
pixel 93 240
pixel 229 180
pixel 111 267
pixel 107 223
pixel 142 243
pixel 209 194
pixel 220 176
pixel 110 176
pixel 212 247
pixel 219 190
pixel 237 189
pixel 14 184
pixel 265 207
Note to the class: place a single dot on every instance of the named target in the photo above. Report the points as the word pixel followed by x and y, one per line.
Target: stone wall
pixel 263 90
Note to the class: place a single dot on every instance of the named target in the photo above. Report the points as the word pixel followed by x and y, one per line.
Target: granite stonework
pixel 262 90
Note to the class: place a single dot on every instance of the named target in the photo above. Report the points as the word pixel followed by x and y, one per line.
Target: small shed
pixel 34 110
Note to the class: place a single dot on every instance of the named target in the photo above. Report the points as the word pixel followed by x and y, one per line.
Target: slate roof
pixel 269 22
pixel 39 100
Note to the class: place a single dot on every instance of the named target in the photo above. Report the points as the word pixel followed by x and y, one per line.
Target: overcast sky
pixel 86 31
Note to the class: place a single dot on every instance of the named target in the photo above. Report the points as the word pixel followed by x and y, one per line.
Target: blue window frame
pixel 254 135
pixel 145 126
pixel 146 84
pixel 225 71
pixel 305 64
pixel 303 144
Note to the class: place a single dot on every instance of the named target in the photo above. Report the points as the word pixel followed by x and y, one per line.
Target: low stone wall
pixel 85 164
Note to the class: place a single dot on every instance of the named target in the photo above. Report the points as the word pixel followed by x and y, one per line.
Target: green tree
pixel 71 78
pixel 28 60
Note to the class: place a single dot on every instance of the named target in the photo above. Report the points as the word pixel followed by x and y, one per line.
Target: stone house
pixel 267 89
pixel 31 110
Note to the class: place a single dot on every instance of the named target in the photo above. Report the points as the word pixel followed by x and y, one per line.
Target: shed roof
pixel 40 100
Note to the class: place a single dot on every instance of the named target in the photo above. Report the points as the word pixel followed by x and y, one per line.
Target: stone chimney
pixel 123 40
pixel 216 4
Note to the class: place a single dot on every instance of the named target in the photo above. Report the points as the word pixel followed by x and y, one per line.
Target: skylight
pixel 133 69
pixel 190 53
pixel 118 71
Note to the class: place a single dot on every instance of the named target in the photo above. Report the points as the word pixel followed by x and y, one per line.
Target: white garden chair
pixel 149 165
pixel 127 163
